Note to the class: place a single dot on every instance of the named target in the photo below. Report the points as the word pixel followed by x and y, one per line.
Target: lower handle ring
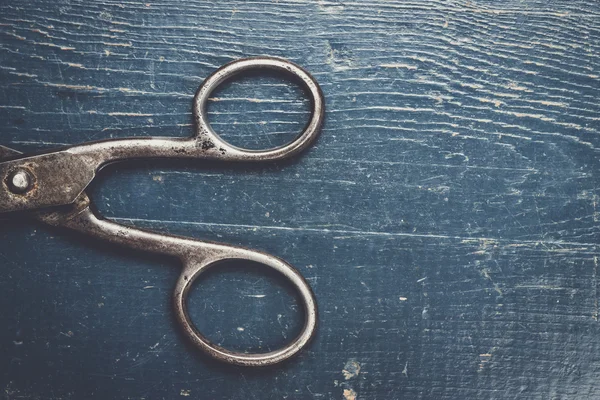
pixel 194 269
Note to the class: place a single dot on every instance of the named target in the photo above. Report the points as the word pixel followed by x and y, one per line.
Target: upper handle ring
pixel 208 137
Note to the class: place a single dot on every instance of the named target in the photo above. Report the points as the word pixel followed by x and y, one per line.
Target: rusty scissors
pixel 51 186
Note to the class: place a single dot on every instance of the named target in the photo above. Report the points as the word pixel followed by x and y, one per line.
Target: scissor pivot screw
pixel 20 181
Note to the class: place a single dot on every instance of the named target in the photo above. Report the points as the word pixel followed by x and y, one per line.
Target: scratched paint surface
pixel 448 218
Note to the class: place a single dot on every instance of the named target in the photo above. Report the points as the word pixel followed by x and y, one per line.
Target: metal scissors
pixel 51 186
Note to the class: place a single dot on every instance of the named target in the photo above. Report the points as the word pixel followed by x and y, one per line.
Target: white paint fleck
pixel 398 65
pixel 483 359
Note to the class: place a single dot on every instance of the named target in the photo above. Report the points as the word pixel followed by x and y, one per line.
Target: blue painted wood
pixel 447 219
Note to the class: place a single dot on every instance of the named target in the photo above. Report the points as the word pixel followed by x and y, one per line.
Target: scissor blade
pixel 51 217
pixel 59 177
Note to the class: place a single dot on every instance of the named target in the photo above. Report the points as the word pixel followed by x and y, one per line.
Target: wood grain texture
pixel 448 218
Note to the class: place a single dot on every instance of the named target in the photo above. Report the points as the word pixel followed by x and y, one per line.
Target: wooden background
pixel 448 218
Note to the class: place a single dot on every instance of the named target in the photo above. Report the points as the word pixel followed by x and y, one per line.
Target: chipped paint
pixel 351 369
pixel 350 394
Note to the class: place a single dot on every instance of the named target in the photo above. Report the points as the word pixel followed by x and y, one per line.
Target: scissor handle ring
pixel 207 137
pixel 220 253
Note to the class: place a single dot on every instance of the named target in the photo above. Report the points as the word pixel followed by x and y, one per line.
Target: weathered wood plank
pixel 447 219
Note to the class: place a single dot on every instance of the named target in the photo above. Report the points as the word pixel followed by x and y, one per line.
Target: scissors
pixel 51 187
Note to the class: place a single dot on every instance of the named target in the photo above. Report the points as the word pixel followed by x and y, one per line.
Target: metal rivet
pixel 20 181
